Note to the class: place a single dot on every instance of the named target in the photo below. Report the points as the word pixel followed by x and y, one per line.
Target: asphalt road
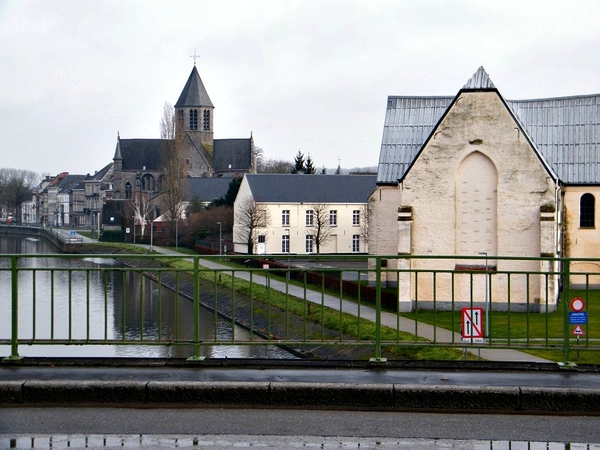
pixel 281 428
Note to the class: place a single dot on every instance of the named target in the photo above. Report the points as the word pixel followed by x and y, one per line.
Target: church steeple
pixel 194 93
pixel 194 110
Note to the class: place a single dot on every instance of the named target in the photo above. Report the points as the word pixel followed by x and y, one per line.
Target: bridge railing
pixel 381 306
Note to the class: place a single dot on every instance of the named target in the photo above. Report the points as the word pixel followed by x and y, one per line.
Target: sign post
pixel 472 325
pixel 577 317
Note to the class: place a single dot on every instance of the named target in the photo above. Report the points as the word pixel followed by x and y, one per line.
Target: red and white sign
pixel 578 331
pixel 577 304
pixel 472 325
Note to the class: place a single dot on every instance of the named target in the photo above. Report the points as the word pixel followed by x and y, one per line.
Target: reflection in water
pixel 228 441
pixel 96 306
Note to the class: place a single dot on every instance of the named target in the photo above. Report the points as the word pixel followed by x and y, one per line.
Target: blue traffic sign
pixel 578 318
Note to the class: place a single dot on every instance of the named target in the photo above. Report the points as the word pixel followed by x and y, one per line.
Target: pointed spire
pixel 194 93
pixel 118 155
pixel 339 171
pixel 480 80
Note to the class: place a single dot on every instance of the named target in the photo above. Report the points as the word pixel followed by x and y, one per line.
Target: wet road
pixel 228 428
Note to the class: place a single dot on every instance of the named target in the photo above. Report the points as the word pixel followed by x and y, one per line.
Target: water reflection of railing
pixel 413 303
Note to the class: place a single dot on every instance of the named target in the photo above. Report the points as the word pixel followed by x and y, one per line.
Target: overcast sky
pixel 312 76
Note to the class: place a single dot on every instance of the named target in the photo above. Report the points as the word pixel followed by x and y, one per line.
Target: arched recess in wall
pixel 476 185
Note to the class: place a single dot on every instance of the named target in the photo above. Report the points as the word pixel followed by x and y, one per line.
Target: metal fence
pixel 488 306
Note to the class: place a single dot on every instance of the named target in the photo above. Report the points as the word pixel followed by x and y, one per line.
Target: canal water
pixel 74 305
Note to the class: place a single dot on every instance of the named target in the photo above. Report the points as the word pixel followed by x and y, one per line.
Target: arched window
pixel 161 183
pixel 128 190
pixel 206 120
pixel 148 183
pixel 587 211
pixel 193 119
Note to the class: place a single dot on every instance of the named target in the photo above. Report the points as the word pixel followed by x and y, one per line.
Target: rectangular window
pixel 285 217
pixel 285 243
pixel 261 239
pixel 333 218
pixel 356 217
pixel 310 241
pixel 310 217
pixel 356 243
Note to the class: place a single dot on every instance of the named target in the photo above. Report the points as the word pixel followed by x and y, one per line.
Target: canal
pixel 57 304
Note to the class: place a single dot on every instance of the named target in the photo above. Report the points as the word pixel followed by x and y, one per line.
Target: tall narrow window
pixel 310 241
pixel 333 218
pixel 193 120
pixel 285 243
pixel 206 120
pixel 587 210
pixel 128 190
pixel 356 243
pixel 310 218
pixel 285 217
pixel 356 217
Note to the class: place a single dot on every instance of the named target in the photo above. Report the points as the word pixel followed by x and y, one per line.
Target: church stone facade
pixel 476 174
pixel 139 163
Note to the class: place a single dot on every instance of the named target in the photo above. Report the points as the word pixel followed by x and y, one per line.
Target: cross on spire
pixel 194 56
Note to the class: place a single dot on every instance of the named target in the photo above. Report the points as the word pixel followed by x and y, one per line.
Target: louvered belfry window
pixel 193 119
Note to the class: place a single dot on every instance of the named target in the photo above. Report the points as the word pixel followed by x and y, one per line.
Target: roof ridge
pixel 480 80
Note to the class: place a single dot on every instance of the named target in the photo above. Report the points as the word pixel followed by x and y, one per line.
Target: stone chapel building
pixel 138 163
pixel 477 174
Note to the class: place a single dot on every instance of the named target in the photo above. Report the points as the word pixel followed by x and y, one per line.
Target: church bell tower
pixel 194 117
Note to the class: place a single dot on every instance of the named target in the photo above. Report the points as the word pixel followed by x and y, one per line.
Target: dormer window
pixel 206 120
pixel 193 120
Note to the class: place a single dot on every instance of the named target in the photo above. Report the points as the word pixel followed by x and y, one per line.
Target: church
pixel 476 174
pixel 139 163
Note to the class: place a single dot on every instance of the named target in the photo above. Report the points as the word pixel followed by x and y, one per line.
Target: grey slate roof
pixel 231 155
pixel 194 93
pixel 284 188
pixel 70 182
pixel 207 189
pixel 140 153
pixel 564 131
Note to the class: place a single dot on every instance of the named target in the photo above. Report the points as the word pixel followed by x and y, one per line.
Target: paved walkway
pixel 429 332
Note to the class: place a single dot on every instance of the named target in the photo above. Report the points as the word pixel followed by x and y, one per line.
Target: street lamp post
pixel 289 249
pixel 134 229
pixel 176 233
pixel 487 302
pixel 220 239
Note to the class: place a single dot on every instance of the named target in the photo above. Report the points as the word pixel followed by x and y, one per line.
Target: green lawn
pixel 534 329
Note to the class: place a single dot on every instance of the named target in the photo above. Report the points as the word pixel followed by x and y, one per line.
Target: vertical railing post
pixel 566 300
pixel 378 358
pixel 196 343
pixel 14 339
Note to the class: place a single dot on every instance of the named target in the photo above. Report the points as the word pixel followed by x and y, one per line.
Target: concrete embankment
pixel 399 386
pixel 56 239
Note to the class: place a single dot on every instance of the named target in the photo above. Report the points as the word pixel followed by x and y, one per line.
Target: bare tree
pixel 250 217
pixel 321 228
pixel 365 212
pixel 16 186
pixel 141 206
pixel 173 160
pixel 274 166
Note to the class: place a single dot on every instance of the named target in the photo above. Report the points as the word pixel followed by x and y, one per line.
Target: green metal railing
pixel 187 302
